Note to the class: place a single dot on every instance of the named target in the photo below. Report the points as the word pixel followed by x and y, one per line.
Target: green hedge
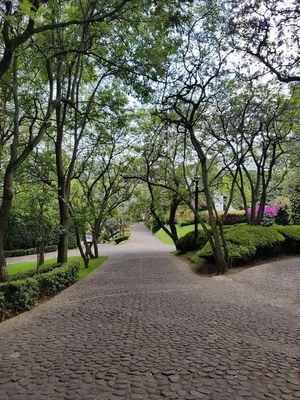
pixel 292 238
pixel 121 238
pixel 33 272
pixel 187 243
pixel 232 218
pixel 20 295
pixel 58 279
pixel 245 242
pixel 27 252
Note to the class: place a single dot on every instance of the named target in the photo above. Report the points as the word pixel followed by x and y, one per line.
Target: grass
pixel 83 272
pixel 181 231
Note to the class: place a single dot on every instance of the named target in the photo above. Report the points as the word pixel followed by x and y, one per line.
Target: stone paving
pixel 145 327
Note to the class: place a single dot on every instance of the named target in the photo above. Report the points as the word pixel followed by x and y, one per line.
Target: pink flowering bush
pixel 270 214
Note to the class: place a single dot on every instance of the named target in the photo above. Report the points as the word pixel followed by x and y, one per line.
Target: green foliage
pixel 26 252
pixel 232 218
pixel 181 231
pixel 292 238
pixel 187 243
pixel 20 295
pixel 121 238
pixel 245 242
pixel 295 208
pixel 262 238
pixel 22 291
pixel 59 278
pixel 153 225
pixel 283 216
pixel 22 231
pixel 31 273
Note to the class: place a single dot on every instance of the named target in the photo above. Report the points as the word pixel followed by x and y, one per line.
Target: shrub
pixel 295 208
pixel 292 238
pixel 121 238
pixel 33 272
pixel 27 252
pixel 187 242
pixel 246 242
pixel 185 217
pixel 283 216
pixel 232 218
pixel 20 295
pixel 59 278
pixel 266 240
pixel 238 253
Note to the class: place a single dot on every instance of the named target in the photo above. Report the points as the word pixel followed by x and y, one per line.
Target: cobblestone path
pixel 144 327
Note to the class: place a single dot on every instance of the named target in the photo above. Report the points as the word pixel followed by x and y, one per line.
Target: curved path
pixel 144 327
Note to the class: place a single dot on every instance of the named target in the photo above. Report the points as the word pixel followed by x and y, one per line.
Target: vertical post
pixel 196 180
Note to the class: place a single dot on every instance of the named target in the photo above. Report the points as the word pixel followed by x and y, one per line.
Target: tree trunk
pixel 95 245
pixel 4 216
pixel 215 239
pixel 40 257
pixel 63 243
pixel 78 241
pixel 172 219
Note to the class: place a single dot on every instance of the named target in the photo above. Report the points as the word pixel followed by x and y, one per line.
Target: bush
pixel 292 238
pixel 283 216
pixel 27 252
pixel 22 228
pixel 185 217
pixel 232 218
pixel 187 242
pixel 245 242
pixel 295 208
pixel 53 281
pixel 33 272
pixel 266 240
pixel 20 295
pixel 121 238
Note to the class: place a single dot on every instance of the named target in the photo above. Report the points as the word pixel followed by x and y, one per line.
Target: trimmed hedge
pixel 58 279
pixel 266 240
pixel 121 238
pixel 33 272
pixel 232 218
pixel 28 252
pixel 187 243
pixel 245 242
pixel 21 295
pixel 292 238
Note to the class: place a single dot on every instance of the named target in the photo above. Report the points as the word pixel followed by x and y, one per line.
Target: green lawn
pixel 181 231
pixel 83 272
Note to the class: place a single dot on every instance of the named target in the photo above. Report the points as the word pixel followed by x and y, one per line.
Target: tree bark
pixel 172 219
pixel 4 216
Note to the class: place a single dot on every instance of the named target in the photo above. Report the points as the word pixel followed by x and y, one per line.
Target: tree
pixel 252 126
pixel 28 122
pixel 195 74
pixel 268 30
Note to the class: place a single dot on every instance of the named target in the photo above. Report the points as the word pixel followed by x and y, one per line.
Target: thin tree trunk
pixel 78 241
pixel 172 219
pixel 63 242
pixel 215 239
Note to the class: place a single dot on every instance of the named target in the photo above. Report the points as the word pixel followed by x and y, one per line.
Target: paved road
pixel 144 327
